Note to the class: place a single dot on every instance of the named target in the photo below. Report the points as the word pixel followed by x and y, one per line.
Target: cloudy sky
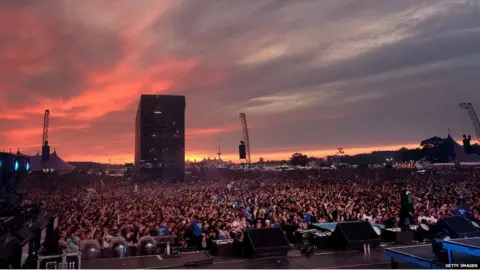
pixel 311 75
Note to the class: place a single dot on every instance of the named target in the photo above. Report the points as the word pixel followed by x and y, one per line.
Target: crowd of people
pixel 221 204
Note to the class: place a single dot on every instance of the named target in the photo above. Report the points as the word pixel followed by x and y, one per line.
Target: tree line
pixel 434 149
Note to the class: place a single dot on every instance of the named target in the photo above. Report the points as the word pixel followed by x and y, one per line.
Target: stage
pixel 330 226
pixel 294 260
pixel 151 262
pixel 321 260
pixel 463 252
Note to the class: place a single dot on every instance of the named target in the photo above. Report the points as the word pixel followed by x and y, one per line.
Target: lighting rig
pixel 24 229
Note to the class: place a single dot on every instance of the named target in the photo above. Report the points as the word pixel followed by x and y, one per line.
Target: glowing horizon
pixel 285 155
pixel 367 79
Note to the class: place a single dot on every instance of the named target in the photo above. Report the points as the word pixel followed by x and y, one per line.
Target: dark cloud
pixel 309 74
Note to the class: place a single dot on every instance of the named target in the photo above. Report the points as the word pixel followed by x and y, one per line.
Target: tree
pixel 299 159
pixel 261 160
pixel 438 150
pixel 406 155
pixel 432 143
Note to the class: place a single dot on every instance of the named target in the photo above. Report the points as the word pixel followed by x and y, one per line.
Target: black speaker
pixel 242 151
pixel 457 227
pixel 353 235
pixel 265 242
pixel 45 152
pixel 466 144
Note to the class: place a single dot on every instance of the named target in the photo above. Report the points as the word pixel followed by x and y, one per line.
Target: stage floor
pixel 321 260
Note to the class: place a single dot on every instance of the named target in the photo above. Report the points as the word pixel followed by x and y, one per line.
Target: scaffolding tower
pixel 246 139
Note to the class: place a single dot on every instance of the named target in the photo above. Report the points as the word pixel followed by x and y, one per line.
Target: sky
pixel 312 76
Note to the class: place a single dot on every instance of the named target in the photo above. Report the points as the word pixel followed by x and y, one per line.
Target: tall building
pixel 160 137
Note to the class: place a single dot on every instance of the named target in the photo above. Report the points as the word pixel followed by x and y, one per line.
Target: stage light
pixel 17 165
pixel 1 163
pixel 27 166
pixel 119 247
pixel 422 231
pixel 90 249
pixel 146 245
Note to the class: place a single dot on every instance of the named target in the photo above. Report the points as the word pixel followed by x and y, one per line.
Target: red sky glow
pixel 312 76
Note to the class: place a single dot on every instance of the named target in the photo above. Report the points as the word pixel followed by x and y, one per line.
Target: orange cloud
pixel 209 131
pixel 87 66
pixel 285 155
pixel 28 133
pixel 113 159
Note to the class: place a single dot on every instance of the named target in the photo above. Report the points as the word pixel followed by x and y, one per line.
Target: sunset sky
pixel 311 75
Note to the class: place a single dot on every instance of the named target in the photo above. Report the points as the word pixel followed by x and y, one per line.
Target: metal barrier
pixel 71 261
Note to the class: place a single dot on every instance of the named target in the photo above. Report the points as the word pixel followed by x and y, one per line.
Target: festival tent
pixel 461 157
pixel 55 163
pixel 460 154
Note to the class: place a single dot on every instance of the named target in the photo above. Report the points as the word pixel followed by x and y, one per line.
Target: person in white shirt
pixel 427 219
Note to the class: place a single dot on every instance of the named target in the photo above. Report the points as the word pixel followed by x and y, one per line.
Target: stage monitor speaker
pixel 353 235
pixel 457 227
pixel 45 152
pixel 265 242
pixel 198 259
pixel 242 151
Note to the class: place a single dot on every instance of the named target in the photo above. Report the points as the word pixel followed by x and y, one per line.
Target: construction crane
pixel 219 153
pixel 473 117
pixel 45 146
pixel 246 139
pixel 46 123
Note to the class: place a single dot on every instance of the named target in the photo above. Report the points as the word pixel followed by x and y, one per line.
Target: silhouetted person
pixel 406 210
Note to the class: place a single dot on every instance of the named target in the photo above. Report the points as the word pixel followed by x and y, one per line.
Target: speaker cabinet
pixel 265 242
pixel 353 235
pixel 457 227
pixel 242 152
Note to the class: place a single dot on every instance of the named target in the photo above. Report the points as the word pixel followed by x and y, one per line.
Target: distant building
pixel 160 137
pixel 334 160
pixel 213 162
